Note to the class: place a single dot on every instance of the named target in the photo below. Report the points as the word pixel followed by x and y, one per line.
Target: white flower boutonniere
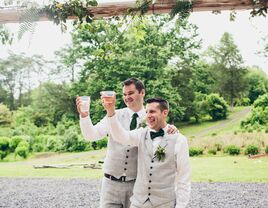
pixel 143 124
pixel 160 153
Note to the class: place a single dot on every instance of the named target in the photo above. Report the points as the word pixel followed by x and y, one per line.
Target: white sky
pixel 247 34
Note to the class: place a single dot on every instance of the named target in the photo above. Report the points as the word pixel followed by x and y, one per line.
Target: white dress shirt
pixel 96 132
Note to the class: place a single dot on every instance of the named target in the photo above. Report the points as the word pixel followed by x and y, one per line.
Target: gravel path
pixel 72 193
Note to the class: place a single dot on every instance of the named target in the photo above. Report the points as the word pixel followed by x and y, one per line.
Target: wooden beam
pixel 120 8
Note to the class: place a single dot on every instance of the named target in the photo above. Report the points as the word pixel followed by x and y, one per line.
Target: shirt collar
pixel 165 129
pixel 141 113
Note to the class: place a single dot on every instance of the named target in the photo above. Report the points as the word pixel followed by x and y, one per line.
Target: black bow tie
pixel 157 134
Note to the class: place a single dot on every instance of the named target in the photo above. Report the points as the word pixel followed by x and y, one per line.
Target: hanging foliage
pixel 260 8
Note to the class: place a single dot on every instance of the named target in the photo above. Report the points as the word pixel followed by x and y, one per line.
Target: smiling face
pixel 156 119
pixel 132 97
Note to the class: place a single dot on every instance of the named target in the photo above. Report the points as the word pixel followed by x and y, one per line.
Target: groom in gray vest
pixel 120 164
pixel 163 178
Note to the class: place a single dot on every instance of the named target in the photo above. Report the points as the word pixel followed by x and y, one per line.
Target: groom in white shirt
pixel 163 178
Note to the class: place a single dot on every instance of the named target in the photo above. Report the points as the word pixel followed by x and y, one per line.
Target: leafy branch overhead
pixel 81 11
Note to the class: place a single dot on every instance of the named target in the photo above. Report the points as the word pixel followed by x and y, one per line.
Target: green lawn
pixel 208 127
pixel 229 169
pixel 205 168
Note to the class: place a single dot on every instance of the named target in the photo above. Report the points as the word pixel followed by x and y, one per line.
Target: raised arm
pixel 183 179
pixel 93 132
pixel 117 132
pixel 89 131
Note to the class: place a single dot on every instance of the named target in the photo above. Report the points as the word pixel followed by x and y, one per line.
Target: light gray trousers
pixel 115 194
pixel 148 204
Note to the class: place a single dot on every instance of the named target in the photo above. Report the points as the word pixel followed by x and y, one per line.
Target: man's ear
pixel 142 92
pixel 165 112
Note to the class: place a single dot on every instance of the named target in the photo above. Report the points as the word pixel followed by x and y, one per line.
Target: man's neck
pixel 137 109
pixel 162 126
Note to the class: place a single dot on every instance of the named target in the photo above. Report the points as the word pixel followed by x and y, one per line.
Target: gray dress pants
pixel 148 204
pixel 115 194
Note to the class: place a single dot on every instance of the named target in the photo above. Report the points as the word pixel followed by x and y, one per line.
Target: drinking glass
pixel 85 103
pixel 107 96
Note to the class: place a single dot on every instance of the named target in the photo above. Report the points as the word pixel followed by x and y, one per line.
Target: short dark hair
pixel 163 104
pixel 138 83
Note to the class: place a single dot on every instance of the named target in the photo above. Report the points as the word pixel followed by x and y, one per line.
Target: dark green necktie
pixel 133 123
pixel 157 134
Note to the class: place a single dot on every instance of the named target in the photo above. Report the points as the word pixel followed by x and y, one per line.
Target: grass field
pixel 204 168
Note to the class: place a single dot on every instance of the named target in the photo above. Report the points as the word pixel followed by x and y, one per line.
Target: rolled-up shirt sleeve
pixel 119 134
pixel 93 132
pixel 183 177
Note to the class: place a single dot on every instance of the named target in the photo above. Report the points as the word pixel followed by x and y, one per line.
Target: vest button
pixel 150 181
pixel 125 169
pixel 152 161
pixel 126 156
pixel 151 174
pixel 151 167
pixel 149 187
pixel 149 194
pixel 125 163
pixel 127 150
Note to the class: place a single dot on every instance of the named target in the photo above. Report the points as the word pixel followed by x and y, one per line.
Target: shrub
pixel 22 151
pixel 5 114
pixel 218 146
pixel 3 154
pixel 216 107
pixel 102 143
pixel 195 151
pixel 4 143
pixel 54 144
pixel 37 147
pixel 252 150
pixel 72 142
pixel 266 130
pixel 266 149
pixel 14 141
pixel 212 151
pixel 232 150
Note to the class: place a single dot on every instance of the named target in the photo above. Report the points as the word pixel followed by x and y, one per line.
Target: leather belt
pixel 121 179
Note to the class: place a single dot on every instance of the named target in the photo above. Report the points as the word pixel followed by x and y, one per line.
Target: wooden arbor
pixel 120 8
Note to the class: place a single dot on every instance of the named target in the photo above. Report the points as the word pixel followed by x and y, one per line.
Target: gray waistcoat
pixel 155 179
pixel 121 160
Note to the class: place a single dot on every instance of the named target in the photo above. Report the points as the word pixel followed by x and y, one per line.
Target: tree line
pixel 165 55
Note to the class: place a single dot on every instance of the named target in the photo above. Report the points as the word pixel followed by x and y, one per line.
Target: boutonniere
pixel 160 153
pixel 143 124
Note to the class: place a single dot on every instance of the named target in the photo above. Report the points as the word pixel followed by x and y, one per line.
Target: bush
pixel 5 115
pixel 22 151
pixel 218 146
pixel 216 107
pixel 14 142
pixel 212 151
pixel 3 154
pixel 102 143
pixel 252 150
pixel 71 142
pixel 266 149
pixel 54 143
pixel 232 150
pixel 195 151
pixel 4 144
pixel 37 147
